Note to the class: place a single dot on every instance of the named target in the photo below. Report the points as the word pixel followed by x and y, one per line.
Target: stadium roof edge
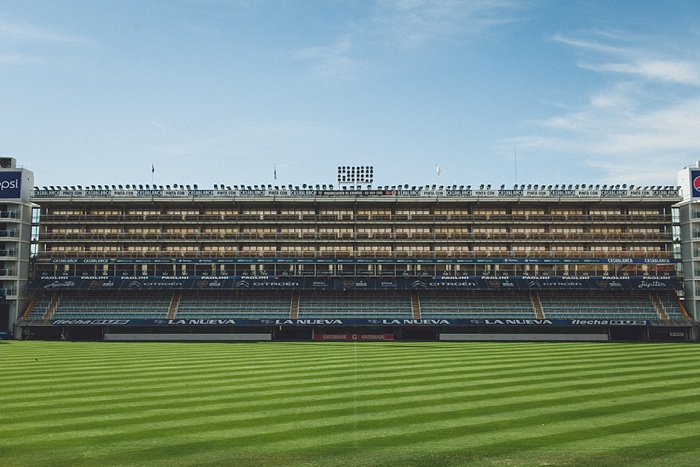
pixel 534 193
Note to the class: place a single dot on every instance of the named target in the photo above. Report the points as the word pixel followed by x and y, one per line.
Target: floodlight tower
pixel 355 175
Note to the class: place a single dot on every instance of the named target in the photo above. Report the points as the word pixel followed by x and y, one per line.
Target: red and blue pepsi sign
pixel 695 183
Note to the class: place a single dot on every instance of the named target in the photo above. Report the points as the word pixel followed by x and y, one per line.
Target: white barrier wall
pixel 188 337
pixel 523 337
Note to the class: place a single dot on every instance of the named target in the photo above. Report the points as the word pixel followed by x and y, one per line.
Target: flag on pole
pixel 437 169
pixel 274 172
pixel 153 168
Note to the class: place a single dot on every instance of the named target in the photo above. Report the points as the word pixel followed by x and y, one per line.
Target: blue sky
pixel 227 91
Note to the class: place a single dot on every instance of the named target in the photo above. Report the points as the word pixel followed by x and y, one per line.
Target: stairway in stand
pixel 294 309
pixel 174 303
pixel 537 305
pixel 658 306
pixel 415 305
pixel 55 300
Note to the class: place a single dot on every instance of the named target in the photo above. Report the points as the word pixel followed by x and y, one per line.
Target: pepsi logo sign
pixel 10 184
pixel 695 183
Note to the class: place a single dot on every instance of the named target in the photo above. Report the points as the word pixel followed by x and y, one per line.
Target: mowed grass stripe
pixel 439 394
pixel 428 369
pixel 129 356
pixel 435 367
pixel 86 391
pixel 377 389
pixel 418 431
pixel 239 394
pixel 273 376
pixel 403 413
pixel 216 431
pixel 131 353
pixel 314 390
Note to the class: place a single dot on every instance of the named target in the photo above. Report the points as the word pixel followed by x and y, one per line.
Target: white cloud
pixel 635 60
pixel 331 62
pixel 28 33
pixel 19 59
pixel 669 71
pixel 406 23
pixel 589 45
pixel 412 22
pixel 625 142
pixel 641 127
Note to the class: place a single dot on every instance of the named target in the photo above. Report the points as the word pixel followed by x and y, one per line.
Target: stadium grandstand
pixel 354 261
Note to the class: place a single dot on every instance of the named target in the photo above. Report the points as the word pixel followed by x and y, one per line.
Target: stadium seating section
pixel 385 305
pixel 630 305
pixel 474 304
pixel 233 305
pixel 600 304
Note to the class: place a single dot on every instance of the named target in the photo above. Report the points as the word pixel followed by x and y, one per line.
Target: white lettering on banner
pixel 562 284
pixel 518 321
pixel 452 284
pixel 399 322
pixel 291 322
pixel 163 284
pixel 275 284
pixel 55 285
pixel 652 285
pixel 279 192
pixel 87 322
pixel 528 321
pixel 354 337
pixel 217 322
pixel 9 184
pixel 609 322
pixel 591 322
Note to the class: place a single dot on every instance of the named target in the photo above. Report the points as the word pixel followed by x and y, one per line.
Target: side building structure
pixel 411 262
pixel 689 218
pixel 16 184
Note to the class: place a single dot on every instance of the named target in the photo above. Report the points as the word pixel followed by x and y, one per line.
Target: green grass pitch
pixel 370 403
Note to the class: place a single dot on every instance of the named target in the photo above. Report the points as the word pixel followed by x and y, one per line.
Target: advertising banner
pixel 10 184
pixel 364 260
pixel 353 337
pixel 489 321
pixel 315 283
pixel 695 183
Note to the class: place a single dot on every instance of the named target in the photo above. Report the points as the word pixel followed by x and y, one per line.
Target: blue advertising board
pixel 317 283
pixel 487 321
pixel 10 184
